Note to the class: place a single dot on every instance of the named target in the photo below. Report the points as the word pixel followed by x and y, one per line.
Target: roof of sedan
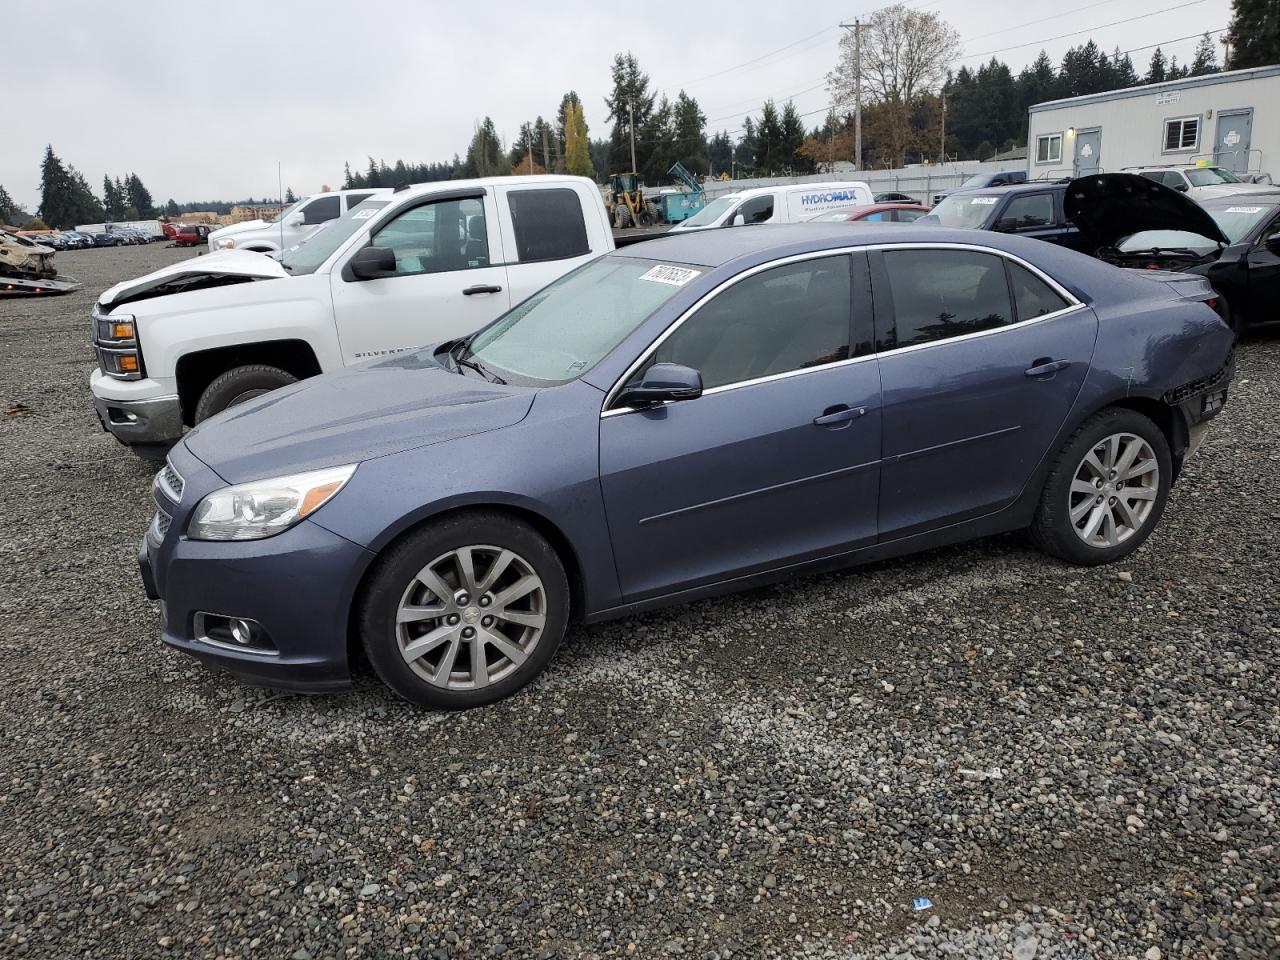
pixel 715 247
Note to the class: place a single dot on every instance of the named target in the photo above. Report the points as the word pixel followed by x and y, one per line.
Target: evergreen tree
pixel 484 155
pixel 600 151
pixel 792 129
pixel 1206 59
pixel 769 147
pixel 8 209
pixel 629 102
pixel 720 154
pixel 1158 71
pixel 139 197
pixel 1254 33
pixel 688 127
pixel 748 147
pixel 1123 72
pixel 55 192
pixel 113 202
pixel 348 182
pixel 290 198
pixel 171 208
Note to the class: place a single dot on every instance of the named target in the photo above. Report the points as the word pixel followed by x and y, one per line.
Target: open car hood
pixel 1107 207
pixel 225 265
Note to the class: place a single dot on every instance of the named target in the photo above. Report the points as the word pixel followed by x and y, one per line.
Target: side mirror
pixel 297 220
pixel 1182 188
pixel 1005 225
pixel 662 383
pixel 370 263
pixel 738 219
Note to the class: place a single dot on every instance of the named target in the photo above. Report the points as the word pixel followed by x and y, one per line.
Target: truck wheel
pixel 238 385
pixel 623 219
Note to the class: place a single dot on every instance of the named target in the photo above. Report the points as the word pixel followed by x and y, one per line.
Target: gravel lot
pixel 1069 763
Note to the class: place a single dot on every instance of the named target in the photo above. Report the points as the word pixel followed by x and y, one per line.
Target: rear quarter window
pixel 548 224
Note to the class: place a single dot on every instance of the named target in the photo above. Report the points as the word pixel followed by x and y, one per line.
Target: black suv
pixel 1027 209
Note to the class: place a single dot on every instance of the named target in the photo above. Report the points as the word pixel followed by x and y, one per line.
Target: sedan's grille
pixel 171 482
pixel 159 527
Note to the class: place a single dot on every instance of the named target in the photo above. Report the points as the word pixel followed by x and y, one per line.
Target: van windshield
pixel 712 212
pixel 307 255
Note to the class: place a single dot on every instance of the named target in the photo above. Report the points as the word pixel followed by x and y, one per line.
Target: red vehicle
pixel 170 230
pixel 191 235
pixel 875 213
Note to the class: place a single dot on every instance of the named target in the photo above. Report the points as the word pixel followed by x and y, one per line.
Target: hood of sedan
pixel 1107 207
pixel 355 414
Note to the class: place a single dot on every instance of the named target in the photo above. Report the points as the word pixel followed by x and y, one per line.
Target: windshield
pixel 832 215
pixel 1234 220
pixel 1209 177
pixel 1165 240
pixel 318 246
pixel 1238 219
pixel 564 330
pixel 964 210
pixel 288 210
pixel 977 180
pixel 712 212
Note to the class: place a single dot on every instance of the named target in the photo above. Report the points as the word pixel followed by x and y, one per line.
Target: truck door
pixel 450 279
pixel 545 234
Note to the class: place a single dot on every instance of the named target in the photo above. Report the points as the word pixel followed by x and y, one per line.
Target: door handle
pixel 1044 367
pixel 841 413
pixel 481 288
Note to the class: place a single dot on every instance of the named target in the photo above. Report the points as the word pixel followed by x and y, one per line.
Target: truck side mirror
pixel 737 220
pixel 371 263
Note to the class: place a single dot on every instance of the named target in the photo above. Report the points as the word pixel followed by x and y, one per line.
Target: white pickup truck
pixel 423 264
pixel 295 222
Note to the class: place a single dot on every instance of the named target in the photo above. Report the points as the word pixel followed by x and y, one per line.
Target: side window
pixel 938 294
pixel 1032 296
pixel 548 224
pixel 784 319
pixel 1031 210
pixel 907 216
pixel 755 210
pixel 881 217
pixel 438 237
pixel 322 210
pixel 355 198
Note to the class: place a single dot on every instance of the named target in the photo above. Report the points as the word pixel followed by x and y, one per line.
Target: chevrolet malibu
pixel 699 414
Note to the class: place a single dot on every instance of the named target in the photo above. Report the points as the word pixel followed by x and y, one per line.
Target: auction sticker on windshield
pixel 675 276
pixel 984 200
pixel 1244 209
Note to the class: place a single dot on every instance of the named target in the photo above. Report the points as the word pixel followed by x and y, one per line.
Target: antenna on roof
pixel 280 194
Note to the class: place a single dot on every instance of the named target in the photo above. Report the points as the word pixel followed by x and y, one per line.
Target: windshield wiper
pixel 456 353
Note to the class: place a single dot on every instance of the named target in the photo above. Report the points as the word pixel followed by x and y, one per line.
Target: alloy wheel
pixel 471 617
pixel 1114 490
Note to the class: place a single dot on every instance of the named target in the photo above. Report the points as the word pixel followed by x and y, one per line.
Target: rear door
pixel 449 280
pixel 544 234
pixel 981 360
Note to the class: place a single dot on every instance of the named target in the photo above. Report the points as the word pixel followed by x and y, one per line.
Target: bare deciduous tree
pixel 905 54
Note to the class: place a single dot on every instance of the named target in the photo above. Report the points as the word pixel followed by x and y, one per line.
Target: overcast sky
pixel 202 99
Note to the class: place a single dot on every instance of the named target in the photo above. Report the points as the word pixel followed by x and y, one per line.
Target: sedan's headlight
pixel 263 508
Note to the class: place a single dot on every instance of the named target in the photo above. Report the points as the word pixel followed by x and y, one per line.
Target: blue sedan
pixel 694 415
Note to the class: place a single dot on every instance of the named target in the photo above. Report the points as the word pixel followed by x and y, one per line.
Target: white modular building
pixel 1231 120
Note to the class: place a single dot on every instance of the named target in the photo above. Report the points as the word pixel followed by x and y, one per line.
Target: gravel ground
pixel 1068 763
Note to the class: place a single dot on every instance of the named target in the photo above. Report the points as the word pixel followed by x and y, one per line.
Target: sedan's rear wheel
pixel 1106 490
pixel 465 611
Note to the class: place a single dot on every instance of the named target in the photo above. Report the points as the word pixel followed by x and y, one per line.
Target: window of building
pixel 1049 148
pixel 1181 134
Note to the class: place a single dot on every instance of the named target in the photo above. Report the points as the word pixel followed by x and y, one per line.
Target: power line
pixel 1032 23
pixel 763 56
pixel 1076 33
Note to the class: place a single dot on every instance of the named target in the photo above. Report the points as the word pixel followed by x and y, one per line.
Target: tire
pixel 238 385
pixel 623 218
pixel 444 673
pixel 1067 514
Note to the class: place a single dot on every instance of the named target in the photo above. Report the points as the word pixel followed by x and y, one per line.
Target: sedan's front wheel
pixel 465 611
pixel 1106 490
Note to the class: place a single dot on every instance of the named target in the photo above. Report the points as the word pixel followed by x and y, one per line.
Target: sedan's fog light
pixel 237 633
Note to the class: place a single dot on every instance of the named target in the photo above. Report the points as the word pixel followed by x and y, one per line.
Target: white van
pixel 785 203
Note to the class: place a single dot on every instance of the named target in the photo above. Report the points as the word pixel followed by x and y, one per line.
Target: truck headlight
pixel 263 508
pixel 226 243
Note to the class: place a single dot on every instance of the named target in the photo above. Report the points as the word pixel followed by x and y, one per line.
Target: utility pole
pixel 631 125
pixel 856 27
pixel 529 140
pixel 942 143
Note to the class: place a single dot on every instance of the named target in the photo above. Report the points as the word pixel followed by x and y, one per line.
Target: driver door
pixel 449 279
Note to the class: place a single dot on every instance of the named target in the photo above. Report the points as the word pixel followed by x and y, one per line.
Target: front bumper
pixel 297 586
pixel 134 422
